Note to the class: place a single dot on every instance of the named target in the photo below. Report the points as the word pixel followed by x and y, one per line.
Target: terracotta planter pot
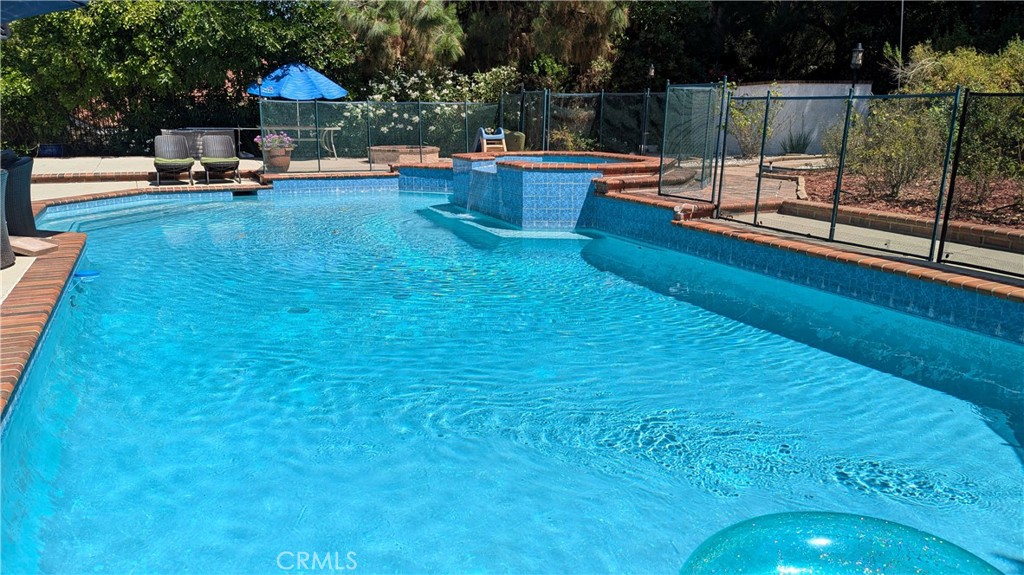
pixel 277 159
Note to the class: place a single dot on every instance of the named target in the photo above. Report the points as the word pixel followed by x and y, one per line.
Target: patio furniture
pixel 219 156
pixel 489 142
pixel 18 200
pixel 171 156
pixel 6 253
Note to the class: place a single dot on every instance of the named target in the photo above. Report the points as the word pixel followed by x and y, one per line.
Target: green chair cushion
pixel 206 160
pixel 170 161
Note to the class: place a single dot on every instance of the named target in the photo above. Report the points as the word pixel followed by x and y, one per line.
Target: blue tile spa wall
pixel 553 200
pixel 531 199
pixel 961 308
pixel 425 180
pixel 309 186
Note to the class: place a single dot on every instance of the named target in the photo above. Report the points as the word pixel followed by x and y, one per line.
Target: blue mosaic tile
pixel 171 197
pixel 326 185
pixel 961 308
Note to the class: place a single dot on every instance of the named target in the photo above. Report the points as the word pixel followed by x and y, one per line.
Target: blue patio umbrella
pixel 297 82
pixel 11 10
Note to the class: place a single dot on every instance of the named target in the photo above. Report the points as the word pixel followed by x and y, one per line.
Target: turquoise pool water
pixel 352 374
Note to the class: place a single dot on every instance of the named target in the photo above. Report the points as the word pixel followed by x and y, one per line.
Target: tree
pixel 417 34
pixel 121 71
pixel 579 32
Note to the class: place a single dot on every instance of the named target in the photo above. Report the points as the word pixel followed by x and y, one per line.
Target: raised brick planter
pixel 979 235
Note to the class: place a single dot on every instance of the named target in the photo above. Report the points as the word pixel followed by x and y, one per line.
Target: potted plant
pixel 277 151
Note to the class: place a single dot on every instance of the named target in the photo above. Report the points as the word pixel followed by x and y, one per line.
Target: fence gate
pixel 690 142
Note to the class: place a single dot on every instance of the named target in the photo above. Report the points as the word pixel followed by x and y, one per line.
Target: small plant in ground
pixel 796 142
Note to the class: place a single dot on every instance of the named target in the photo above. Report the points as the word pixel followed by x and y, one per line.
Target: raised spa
pixel 537 190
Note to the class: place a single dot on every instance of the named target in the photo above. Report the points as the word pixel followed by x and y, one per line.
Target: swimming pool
pixel 348 373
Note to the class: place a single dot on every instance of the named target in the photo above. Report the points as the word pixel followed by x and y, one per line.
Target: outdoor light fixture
pixel 856 61
pixel 650 72
pixel 856 58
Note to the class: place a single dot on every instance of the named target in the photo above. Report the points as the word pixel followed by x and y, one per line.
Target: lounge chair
pixel 219 156
pixel 171 156
pixel 6 253
pixel 18 199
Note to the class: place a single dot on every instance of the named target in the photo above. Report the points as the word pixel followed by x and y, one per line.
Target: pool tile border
pixel 970 283
pixel 916 271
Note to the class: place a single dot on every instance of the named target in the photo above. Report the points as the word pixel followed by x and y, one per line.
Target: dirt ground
pixel 1004 205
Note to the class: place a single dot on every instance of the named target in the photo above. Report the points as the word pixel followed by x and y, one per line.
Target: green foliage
pixel 547 72
pixel 578 32
pixel 418 35
pixel 121 71
pixel 898 142
pixel 570 140
pixel 747 122
pixel 928 70
pixel 796 142
pixel 490 85
pixel 993 142
pixel 992 148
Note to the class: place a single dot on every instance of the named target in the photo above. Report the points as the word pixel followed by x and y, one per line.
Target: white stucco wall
pixel 812 116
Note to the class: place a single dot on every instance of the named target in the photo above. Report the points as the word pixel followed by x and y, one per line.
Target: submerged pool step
pixel 498 228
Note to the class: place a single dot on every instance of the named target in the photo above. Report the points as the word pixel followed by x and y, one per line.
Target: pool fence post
pixel 522 108
pixel 704 160
pixel 725 151
pixel 842 165
pixel 664 141
pixel 952 178
pixel 501 110
pixel 643 122
pixel 369 140
pixel 546 121
pixel 263 132
pixel 600 121
pixel 419 125
pixel 718 136
pixel 945 172
pixel 316 120
pixel 760 163
pixel 465 118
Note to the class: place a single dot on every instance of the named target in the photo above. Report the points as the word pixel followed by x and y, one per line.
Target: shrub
pixel 570 141
pixel 796 143
pixel 900 141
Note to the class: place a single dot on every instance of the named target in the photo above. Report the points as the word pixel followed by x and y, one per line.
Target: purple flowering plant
pixel 279 141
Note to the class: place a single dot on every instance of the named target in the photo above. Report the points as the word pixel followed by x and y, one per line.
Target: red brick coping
pixel 627 164
pixel 27 309
pixel 439 165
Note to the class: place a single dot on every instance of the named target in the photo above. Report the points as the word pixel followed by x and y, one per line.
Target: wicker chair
pixel 18 200
pixel 6 253
pixel 219 156
pixel 171 156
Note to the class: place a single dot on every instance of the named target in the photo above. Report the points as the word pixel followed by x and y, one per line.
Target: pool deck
pixel 32 288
